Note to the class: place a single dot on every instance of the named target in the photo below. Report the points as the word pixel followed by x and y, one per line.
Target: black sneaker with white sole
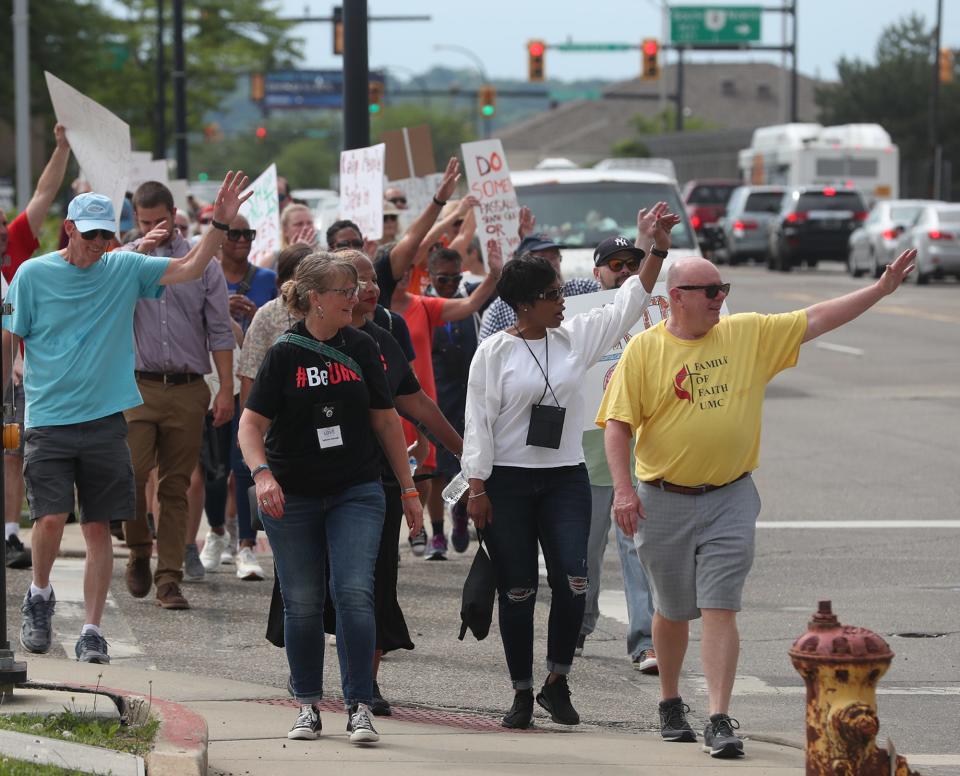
pixel 673 722
pixel 307 726
pixel 720 740
pixel 360 725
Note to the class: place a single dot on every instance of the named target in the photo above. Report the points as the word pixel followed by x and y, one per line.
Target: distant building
pixel 735 97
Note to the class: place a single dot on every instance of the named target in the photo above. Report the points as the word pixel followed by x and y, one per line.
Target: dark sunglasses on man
pixel 235 235
pixel 443 280
pixel 93 234
pixel 341 244
pixel 615 265
pixel 398 201
pixel 709 289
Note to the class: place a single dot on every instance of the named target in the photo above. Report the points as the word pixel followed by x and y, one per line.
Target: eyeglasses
pixel 615 265
pixel 445 279
pixel 710 289
pixel 551 294
pixel 390 217
pixel 93 234
pixel 341 244
pixel 367 284
pixel 346 293
pixel 235 235
pixel 398 201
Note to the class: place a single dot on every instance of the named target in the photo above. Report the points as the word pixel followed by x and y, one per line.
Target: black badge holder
pixel 546 422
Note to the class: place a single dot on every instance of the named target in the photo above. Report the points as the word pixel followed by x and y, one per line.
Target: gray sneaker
pixel 36 630
pixel 193 570
pixel 91 648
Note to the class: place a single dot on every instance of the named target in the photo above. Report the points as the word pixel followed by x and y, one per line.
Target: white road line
pixel 820 524
pixel 845 349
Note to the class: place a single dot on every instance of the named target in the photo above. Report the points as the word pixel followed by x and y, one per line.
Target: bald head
pixel 691 270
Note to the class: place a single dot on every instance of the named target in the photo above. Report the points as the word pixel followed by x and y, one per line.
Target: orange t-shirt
pixel 423 315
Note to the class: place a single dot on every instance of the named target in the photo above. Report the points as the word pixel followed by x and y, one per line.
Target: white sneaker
pixel 233 543
pixel 247 566
pixel 213 547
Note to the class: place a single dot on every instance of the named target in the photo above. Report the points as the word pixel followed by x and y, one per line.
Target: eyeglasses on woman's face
pixel 347 293
pixel 551 294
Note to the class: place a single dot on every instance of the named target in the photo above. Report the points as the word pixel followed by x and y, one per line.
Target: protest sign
pixel 408 152
pixel 99 140
pixel 419 192
pixel 596 379
pixel 179 187
pixel 361 189
pixel 488 179
pixel 144 168
pixel 262 211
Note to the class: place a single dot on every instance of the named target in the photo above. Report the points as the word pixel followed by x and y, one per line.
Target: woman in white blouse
pixel 523 457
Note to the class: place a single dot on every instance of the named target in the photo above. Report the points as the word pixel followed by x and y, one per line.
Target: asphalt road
pixel 864 429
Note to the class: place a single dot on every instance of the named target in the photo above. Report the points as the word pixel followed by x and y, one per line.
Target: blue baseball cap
pixel 534 243
pixel 92 211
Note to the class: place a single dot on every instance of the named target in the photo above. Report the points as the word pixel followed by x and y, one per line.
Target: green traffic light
pixel 374 108
pixel 488 110
pixel 203 176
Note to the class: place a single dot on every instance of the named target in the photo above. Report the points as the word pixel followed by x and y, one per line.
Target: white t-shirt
pixel 505 382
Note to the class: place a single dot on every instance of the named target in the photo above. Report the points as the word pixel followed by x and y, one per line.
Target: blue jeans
pixel 552 507
pixel 344 529
pixel 635 586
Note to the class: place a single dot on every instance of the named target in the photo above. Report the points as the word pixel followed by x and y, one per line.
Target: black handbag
pixel 479 591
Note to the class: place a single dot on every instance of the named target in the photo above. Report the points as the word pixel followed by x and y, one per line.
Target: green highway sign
pixel 593 46
pixel 714 24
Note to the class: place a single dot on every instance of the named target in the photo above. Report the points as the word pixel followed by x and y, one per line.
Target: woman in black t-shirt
pixel 322 400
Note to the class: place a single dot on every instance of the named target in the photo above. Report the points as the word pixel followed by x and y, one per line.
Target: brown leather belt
pixel 169 378
pixel 691 490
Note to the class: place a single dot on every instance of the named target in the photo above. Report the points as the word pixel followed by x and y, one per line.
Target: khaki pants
pixel 166 431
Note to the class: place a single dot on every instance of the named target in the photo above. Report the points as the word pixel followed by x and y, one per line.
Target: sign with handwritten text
pixel 262 211
pixel 361 189
pixel 488 179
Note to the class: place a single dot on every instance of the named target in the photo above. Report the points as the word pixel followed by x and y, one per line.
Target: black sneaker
pixel 720 740
pixel 581 640
pixel 307 726
pixel 673 722
pixel 36 629
pixel 520 716
pixel 379 705
pixel 92 648
pixel 555 698
pixel 360 726
pixel 18 556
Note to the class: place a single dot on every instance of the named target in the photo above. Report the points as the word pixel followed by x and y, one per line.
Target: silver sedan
pixel 874 245
pixel 936 235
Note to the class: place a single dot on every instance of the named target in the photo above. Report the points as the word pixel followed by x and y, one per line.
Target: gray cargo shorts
pixel 92 457
pixel 697 550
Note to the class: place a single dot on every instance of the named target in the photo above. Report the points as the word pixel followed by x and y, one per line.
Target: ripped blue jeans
pixel 550 507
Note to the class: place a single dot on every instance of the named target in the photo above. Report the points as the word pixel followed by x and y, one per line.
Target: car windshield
pixel 842 200
pixel 710 194
pixel 763 202
pixel 904 214
pixel 580 215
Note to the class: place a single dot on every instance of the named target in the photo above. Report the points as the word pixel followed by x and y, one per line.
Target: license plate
pixel 831 224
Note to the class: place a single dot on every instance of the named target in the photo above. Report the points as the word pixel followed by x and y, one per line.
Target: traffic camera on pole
pixel 487 98
pixel 535 52
pixel 946 66
pixel 650 59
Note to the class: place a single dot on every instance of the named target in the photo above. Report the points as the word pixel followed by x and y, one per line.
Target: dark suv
pixel 814 223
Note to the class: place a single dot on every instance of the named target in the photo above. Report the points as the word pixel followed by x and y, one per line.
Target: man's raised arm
pixel 50 181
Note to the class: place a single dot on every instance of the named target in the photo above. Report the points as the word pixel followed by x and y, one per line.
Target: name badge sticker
pixel 329 436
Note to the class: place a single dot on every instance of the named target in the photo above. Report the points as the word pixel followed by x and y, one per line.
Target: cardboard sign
pixel 419 192
pixel 143 168
pixel 361 189
pixel 262 210
pixel 409 152
pixel 99 140
pixel 488 179
pixel 596 379
pixel 179 187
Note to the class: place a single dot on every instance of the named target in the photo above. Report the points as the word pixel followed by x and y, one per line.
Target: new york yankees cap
pixel 614 245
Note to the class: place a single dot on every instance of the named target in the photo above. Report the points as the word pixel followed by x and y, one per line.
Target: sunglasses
pixel 390 217
pixel 93 234
pixel 551 295
pixel 444 279
pixel 615 265
pixel 398 201
pixel 235 235
pixel 348 244
pixel 710 289
pixel 346 293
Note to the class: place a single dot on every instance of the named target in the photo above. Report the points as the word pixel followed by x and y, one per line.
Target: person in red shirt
pixel 18 241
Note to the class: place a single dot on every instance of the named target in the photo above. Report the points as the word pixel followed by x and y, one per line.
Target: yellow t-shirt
pixel 695 405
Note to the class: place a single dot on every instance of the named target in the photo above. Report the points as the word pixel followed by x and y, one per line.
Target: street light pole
pixel 179 90
pixel 21 77
pixel 356 76
pixel 160 126
pixel 481 70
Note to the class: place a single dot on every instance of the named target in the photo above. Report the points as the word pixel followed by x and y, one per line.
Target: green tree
pixel 657 124
pixel 895 92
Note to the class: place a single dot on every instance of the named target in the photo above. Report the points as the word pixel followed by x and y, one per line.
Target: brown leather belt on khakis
pixel 169 378
pixel 691 490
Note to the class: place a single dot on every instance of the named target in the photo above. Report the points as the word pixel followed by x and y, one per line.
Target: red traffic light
pixel 650 47
pixel 261 133
pixel 536 49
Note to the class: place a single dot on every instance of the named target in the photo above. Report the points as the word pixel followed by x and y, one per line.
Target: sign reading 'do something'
pixel 262 212
pixel 488 179
pixel 361 189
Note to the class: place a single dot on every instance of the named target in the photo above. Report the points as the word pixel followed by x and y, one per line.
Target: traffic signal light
pixel 535 52
pixel 375 99
pixel 338 29
pixel 487 97
pixel 261 133
pixel 650 59
pixel 946 66
pixel 258 87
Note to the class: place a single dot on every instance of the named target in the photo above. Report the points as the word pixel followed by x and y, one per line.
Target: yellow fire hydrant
pixel 841 666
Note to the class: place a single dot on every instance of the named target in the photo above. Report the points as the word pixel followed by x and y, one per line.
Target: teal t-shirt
pixel 77 329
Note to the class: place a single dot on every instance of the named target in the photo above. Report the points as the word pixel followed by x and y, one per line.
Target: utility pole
pixel 179 91
pixel 937 163
pixel 21 79
pixel 356 76
pixel 793 73
pixel 160 125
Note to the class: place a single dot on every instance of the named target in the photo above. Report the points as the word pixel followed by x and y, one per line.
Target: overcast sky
pixel 497 31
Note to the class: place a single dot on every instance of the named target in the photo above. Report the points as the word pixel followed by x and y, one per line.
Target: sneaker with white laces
pixel 36 629
pixel 307 725
pixel 91 647
pixel 213 546
pixel 360 725
pixel 193 569
pixel 418 542
pixel 720 740
pixel 437 549
pixel 673 722
pixel 247 566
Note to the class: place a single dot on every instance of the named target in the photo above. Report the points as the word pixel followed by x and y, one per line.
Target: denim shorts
pixel 91 457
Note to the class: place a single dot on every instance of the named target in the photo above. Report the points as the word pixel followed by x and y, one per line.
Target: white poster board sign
pixel 262 211
pixel 361 189
pixel 99 140
pixel 596 379
pixel 488 179
pixel 144 168
pixel 419 192
pixel 180 189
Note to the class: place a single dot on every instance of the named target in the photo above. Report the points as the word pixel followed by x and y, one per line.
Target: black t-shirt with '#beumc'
pixel 320 441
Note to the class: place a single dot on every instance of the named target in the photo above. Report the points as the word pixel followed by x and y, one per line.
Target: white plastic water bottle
pixel 455 489
pixel 413 465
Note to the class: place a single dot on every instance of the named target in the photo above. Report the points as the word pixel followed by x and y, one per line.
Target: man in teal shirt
pixel 73 309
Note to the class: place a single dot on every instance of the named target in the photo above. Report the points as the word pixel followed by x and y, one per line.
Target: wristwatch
pixel 658 253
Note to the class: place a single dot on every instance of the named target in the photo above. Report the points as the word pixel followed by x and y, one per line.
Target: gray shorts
pixel 697 550
pixel 92 457
pixel 20 401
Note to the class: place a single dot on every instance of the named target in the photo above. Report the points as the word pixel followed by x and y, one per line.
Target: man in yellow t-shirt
pixel 691 389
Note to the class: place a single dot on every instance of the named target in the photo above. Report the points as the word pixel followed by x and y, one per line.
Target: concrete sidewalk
pixel 247 726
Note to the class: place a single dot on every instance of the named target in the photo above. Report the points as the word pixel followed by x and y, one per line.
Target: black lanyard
pixel 546 346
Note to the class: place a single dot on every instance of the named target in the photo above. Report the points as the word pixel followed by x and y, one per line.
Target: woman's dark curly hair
pixel 523 278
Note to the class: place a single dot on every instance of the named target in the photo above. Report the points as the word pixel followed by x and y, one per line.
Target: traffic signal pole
pixel 356 76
